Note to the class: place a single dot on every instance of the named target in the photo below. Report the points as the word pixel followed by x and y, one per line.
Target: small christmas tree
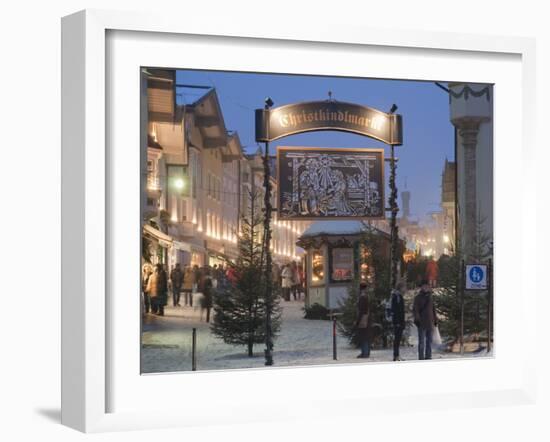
pixel 239 306
pixel 448 297
pixel 348 307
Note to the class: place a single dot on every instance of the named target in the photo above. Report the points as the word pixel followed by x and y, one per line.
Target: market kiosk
pixel 332 260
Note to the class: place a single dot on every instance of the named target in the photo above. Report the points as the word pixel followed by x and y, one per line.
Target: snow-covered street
pixel 166 344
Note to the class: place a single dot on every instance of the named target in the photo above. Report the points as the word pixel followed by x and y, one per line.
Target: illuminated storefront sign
pixel 272 124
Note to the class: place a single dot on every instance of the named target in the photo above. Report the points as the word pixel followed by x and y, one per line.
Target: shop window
pixel 317 267
pixel 342 264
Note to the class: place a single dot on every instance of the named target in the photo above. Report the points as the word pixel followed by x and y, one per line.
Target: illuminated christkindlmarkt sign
pixel 330 183
pixel 272 124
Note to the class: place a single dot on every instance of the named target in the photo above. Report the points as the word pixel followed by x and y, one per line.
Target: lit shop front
pixel 333 257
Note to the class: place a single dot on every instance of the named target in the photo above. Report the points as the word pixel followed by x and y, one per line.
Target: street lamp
pixel 267 248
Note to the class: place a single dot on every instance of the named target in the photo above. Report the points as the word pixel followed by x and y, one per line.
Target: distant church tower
pixel 406 203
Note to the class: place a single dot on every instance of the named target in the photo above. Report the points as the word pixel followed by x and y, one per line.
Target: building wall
pixel 205 220
pixel 207 194
pixel 230 201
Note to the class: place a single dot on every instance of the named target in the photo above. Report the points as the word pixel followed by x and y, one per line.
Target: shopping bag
pixel 363 322
pixel 436 336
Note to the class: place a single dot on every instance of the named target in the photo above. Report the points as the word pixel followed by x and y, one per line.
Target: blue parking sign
pixel 476 277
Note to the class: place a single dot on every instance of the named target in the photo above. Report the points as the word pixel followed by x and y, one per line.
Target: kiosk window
pixel 342 264
pixel 318 267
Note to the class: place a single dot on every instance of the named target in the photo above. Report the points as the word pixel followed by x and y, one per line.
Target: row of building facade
pixel 198 181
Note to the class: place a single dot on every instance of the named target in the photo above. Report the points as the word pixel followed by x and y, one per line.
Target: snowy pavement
pixel 166 344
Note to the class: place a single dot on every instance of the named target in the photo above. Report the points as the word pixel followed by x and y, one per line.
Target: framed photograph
pixel 171 211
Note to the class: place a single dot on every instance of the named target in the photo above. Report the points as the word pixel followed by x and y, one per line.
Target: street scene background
pixel 203 200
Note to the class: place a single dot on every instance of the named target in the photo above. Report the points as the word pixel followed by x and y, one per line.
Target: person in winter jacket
pixel 157 287
pixel 432 273
pixel 296 281
pixel 364 322
pixel 176 278
pixel 398 317
pixel 425 319
pixel 231 275
pixel 206 287
pixel 188 282
pixel 147 272
pixel 286 276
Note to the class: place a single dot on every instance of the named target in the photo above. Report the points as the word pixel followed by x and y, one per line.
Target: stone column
pixel 470 106
pixel 468 129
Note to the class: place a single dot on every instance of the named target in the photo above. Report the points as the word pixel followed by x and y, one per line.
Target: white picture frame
pixel 87 211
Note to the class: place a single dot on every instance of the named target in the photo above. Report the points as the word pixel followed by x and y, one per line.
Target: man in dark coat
pixel 364 322
pixel 398 317
pixel 425 319
pixel 206 288
pixel 176 278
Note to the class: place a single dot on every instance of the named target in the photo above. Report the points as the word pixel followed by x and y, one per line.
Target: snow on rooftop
pixel 334 228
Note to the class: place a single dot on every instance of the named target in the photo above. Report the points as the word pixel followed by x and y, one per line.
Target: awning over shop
pixel 197 248
pixel 163 239
pixel 183 246
pixel 220 256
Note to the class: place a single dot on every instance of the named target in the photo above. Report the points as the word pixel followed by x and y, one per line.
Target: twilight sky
pixel 428 136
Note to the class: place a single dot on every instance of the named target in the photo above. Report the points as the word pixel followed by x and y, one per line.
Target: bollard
pixel 334 355
pixel 194 351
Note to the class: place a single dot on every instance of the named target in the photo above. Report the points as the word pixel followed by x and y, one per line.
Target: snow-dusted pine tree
pixel 347 323
pixel 239 307
pixel 448 296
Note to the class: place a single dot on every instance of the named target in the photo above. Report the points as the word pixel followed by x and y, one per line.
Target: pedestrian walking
pixel 425 319
pixel 286 276
pixel 302 275
pixel 214 274
pixel 398 317
pixel 220 277
pixel 146 274
pixel 187 287
pixel 198 274
pixel 295 280
pixel 206 288
pixel 157 287
pixel 231 275
pixel 176 278
pixel 432 273
pixel 364 322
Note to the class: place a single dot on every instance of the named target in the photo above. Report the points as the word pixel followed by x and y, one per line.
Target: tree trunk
pixel 250 348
